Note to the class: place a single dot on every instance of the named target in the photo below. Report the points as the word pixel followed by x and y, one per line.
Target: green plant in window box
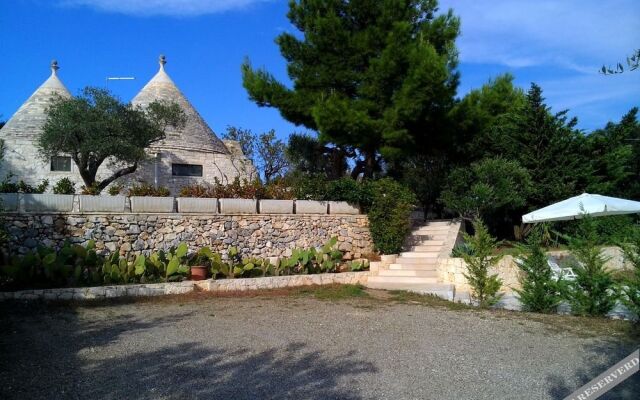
pixel 64 186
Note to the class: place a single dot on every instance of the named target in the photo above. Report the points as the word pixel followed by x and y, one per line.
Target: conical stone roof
pixel 28 121
pixel 196 134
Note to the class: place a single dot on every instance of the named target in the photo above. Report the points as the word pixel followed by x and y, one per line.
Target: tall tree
pixel 474 118
pixel 614 154
pixel 306 154
pixel 245 137
pixel 374 76
pixel 547 145
pixel 265 151
pixel 273 160
pixel 95 127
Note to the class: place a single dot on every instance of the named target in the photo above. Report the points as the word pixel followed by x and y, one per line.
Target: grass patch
pixel 335 292
pixel 404 297
pixel 577 325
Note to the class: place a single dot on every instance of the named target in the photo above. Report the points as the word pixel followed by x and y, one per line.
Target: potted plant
pixel 198 264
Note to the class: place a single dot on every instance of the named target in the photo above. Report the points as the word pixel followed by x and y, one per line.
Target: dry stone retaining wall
pixel 257 235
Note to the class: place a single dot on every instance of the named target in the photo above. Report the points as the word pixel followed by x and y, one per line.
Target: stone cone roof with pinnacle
pixel 196 134
pixel 28 121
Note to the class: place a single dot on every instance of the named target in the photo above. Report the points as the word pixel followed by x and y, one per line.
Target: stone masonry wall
pixel 267 235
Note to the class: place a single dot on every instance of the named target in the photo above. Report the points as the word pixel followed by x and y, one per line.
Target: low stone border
pixel 276 282
pixel 159 289
pixel 101 292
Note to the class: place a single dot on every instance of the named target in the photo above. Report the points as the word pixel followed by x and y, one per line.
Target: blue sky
pixel 557 44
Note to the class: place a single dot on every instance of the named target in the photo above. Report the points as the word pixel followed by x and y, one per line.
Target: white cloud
pixel 573 34
pixel 164 7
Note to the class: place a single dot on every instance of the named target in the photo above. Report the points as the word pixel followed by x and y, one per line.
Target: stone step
pixel 422 273
pixel 443 290
pixel 434 229
pixel 430 236
pixel 428 248
pixel 414 267
pixel 437 223
pixel 417 260
pixel 401 279
pixel 427 242
pixel 421 254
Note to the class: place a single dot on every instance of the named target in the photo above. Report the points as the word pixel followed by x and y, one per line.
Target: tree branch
pixel 122 172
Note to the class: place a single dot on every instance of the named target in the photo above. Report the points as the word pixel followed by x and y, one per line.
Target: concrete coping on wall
pixel 169 288
pixel 86 204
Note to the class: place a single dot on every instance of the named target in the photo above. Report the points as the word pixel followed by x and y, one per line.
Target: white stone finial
pixel 162 60
pixel 54 67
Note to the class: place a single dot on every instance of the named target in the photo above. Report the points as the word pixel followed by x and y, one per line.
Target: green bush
pixel 389 214
pixel 145 189
pixel 593 292
pixel 64 186
pixel 8 186
pixel 114 189
pixel 610 230
pixel 479 255
pixel 630 295
pixel 75 265
pixel 539 292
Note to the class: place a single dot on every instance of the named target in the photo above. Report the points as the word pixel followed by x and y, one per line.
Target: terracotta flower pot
pixel 198 272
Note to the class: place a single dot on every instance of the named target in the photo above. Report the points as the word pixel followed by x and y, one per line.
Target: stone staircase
pixel 416 269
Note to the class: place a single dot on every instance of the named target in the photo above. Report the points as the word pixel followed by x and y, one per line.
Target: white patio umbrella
pixel 574 207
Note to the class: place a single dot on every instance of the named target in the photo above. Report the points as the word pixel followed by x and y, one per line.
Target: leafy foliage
pixel 64 186
pixel 96 126
pixel 265 151
pixel 480 255
pixel 630 295
pixel 389 212
pixel 487 187
pixel 7 185
pixel 75 265
pixel 146 189
pixel 540 291
pixel 593 292
pixel 375 77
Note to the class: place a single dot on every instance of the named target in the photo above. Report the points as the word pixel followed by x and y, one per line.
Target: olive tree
pixel 95 127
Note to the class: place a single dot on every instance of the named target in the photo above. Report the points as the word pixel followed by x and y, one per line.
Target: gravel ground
pixel 298 347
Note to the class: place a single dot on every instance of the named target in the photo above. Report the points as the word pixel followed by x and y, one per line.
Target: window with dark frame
pixel 186 170
pixel 61 163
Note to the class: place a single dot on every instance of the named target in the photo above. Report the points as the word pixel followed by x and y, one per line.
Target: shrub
pixel 8 186
pixel 593 292
pixel 389 214
pixel 488 186
pixel 238 189
pixel 114 189
pixel 610 230
pixel 631 286
pixel 479 255
pixel 539 292
pixel 308 186
pixel 64 186
pixel 90 190
pixel 75 265
pixel 145 189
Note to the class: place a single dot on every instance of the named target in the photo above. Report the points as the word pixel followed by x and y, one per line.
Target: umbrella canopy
pixel 574 207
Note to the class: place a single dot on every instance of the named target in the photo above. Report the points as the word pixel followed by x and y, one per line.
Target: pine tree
pixel 545 144
pixel 479 256
pixel 540 291
pixel 377 77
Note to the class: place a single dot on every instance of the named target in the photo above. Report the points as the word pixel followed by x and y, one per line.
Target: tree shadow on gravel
pixel 51 354
pixel 601 356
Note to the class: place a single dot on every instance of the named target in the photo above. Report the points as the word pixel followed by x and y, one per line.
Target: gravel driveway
pixel 293 346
